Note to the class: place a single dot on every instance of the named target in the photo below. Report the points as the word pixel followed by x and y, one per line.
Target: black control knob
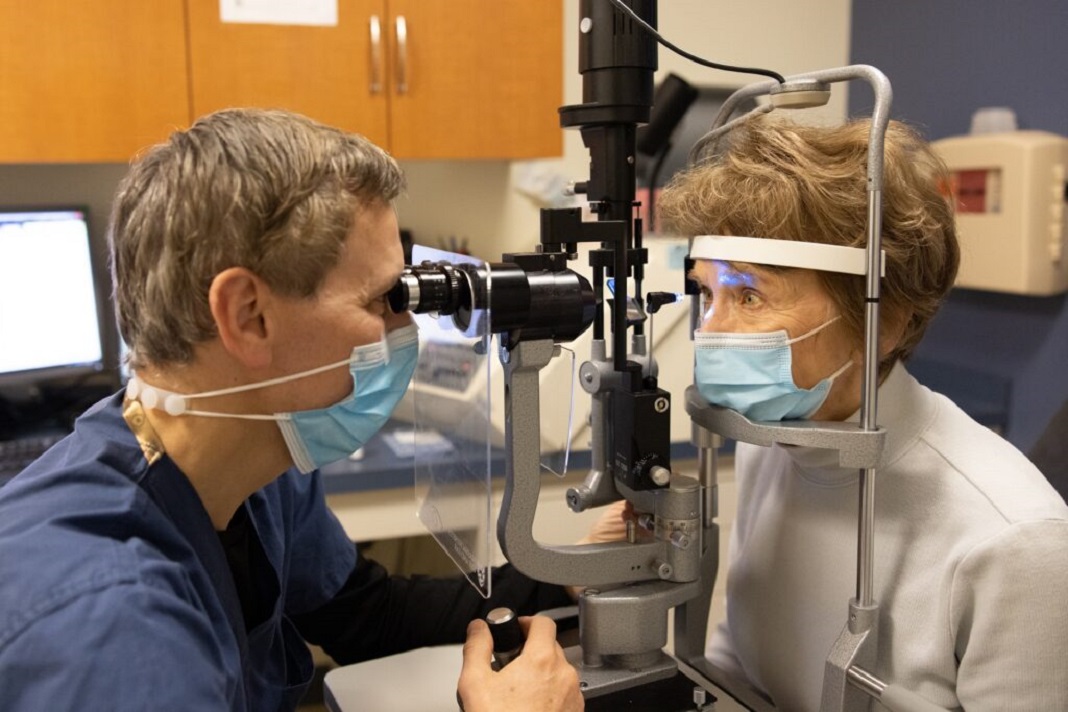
pixel 507 635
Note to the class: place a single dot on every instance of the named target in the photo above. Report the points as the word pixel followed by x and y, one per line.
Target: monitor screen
pixel 48 305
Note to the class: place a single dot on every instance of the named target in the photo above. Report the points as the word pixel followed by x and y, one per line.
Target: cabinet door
pixel 484 78
pixel 327 73
pixel 90 81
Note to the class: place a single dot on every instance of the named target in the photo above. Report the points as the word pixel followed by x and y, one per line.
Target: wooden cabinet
pixel 324 72
pixel 484 79
pixel 86 82
pixel 98 81
pixel 422 78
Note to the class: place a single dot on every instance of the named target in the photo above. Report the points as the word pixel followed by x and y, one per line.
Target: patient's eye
pixel 751 299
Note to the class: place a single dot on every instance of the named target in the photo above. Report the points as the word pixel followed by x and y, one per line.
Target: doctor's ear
pixel 240 306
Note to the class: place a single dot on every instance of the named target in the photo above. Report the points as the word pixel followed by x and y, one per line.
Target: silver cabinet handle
pixel 376 55
pixel 401 26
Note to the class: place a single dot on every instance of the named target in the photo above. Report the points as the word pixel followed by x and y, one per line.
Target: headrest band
pixel 784 253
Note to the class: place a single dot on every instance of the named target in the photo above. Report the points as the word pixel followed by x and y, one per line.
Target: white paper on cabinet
pixel 280 12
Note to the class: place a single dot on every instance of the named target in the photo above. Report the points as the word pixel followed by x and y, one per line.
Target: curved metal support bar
pixel 590 565
pixel 880 113
pixel 856 448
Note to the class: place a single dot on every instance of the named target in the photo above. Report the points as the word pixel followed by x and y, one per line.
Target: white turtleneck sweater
pixel 971 564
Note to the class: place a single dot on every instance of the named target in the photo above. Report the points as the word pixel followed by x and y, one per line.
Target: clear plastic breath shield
pixel 452 399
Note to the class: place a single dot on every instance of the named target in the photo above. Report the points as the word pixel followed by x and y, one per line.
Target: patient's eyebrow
pixel 746 274
pixel 751 268
pixel 733 274
pixel 730 277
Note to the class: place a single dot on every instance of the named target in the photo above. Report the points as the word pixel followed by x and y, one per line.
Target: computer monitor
pixel 49 323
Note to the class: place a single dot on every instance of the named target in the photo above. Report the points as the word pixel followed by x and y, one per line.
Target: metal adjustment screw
pixel 661 405
pixel 660 475
pixel 680 539
pixel 590 377
pixel 664 570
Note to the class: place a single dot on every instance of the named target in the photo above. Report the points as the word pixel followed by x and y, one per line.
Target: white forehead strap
pixel 784 253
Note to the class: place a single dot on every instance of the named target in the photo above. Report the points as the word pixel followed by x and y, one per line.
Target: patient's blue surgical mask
pixel 753 374
pixel 380 375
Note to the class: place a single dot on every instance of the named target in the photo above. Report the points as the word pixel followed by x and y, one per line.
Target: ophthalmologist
pixel 175 552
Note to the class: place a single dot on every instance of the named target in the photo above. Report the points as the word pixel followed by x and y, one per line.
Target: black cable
pixel 693 57
pixel 654 174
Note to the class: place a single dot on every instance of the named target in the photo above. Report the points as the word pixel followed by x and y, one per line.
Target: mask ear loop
pixel 821 327
pixel 817 330
pixel 178 403
pixel 845 367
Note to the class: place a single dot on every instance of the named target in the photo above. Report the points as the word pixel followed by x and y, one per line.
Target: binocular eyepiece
pixel 535 304
pixel 442 287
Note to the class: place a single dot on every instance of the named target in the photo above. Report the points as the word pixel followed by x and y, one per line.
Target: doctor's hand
pixel 539 680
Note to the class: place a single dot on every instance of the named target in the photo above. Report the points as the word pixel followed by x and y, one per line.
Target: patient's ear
pixel 892 330
pixel 241 306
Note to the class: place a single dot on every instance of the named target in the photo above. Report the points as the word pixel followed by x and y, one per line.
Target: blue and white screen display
pixel 48 309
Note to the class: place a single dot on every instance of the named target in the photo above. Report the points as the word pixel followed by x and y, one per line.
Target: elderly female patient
pixel 971 559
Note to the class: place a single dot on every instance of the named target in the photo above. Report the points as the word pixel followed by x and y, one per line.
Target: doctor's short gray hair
pixel 773 178
pixel 271 191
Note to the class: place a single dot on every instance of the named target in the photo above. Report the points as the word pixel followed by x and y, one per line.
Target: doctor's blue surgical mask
pixel 380 372
pixel 753 374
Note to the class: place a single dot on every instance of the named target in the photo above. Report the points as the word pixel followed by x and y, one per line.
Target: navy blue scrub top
pixel 116 593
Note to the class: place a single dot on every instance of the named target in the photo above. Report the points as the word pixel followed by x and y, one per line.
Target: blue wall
pixel 946 58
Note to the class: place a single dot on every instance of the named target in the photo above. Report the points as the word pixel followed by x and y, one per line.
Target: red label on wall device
pixel 977 191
